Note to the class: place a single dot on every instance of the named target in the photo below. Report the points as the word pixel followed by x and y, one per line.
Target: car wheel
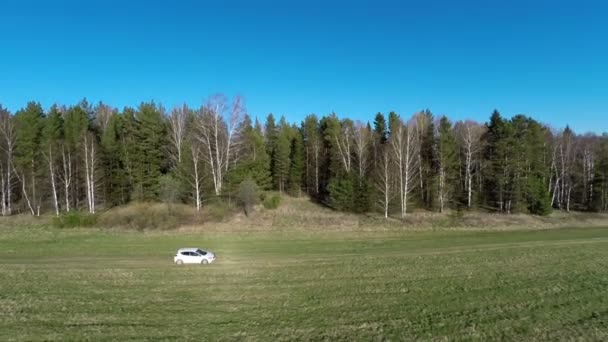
pixel 179 262
pixel 204 262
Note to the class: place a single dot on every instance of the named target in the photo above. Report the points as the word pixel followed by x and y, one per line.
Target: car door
pixel 188 257
pixel 202 255
pixel 196 258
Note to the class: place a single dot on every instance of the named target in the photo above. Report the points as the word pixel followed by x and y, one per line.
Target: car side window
pixel 186 253
pixel 202 252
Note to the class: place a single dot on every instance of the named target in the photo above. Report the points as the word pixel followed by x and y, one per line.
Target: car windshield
pixel 201 252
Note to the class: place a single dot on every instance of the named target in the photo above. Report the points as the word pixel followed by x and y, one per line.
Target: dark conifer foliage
pixel 85 157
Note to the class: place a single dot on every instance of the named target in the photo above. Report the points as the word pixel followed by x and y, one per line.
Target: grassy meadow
pixel 112 285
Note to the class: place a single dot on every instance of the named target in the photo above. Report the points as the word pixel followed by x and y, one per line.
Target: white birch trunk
pixel 67 176
pixel 3 180
pixel 90 160
pixel 217 137
pixel 53 183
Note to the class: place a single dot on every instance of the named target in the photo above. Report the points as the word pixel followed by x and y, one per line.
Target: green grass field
pixel 112 286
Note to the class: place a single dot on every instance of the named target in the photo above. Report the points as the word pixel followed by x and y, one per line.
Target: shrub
pixel 272 202
pixel 142 216
pixel 248 195
pixel 341 194
pixel 75 219
pixel 218 210
pixel 169 189
pixel 539 199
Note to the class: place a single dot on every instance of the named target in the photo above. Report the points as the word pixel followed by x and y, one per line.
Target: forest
pixel 88 158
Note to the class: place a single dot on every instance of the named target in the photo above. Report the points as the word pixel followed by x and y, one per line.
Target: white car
pixel 193 256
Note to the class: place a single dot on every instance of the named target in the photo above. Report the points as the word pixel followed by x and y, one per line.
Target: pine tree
pixel 313 144
pixel 148 156
pixel 380 129
pixel 379 137
pixel 296 168
pixel 128 148
pixel 270 141
pixel 530 170
pixel 600 183
pixel 76 123
pixel 281 162
pixel 341 193
pixel 115 179
pixel 254 162
pixel 496 156
pixel 28 161
pixel 425 131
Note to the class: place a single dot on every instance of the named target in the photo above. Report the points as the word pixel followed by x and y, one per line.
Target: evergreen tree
pixel 313 144
pixel 254 162
pixel 76 123
pixel 296 168
pixel 334 134
pixel 341 193
pixel 363 194
pixel 281 162
pixel 498 157
pixel 393 122
pixel 258 128
pixel 530 169
pixel 600 183
pixel 270 133
pixel 28 161
pixel 49 163
pixel 379 138
pixel 380 129
pixel 115 179
pixel 425 129
pixel 338 171
pixel 148 157
pixel 51 136
pixel 128 147
pixel 270 140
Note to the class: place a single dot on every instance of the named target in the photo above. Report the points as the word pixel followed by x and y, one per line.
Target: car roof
pixel 190 249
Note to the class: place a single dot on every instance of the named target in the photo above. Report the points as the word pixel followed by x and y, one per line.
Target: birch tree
pixel 196 173
pixel 75 123
pixel 338 143
pixel 178 122
pixel 51 135
pixel 103 116
pixel 589 146
pixel 216 135
pixel 7 141
pixel 563 160
pixel 405 148
pixel 384 183
pixel 469 135
pixel 90 162
pixel 362 138
pixel 446 161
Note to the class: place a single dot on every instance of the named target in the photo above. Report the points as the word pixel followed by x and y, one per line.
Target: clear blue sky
pixel 547 59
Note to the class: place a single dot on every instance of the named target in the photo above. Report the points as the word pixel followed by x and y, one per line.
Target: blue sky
pixel 547 59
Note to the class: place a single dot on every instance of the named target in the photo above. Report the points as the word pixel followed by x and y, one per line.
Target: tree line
pixel 91 157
